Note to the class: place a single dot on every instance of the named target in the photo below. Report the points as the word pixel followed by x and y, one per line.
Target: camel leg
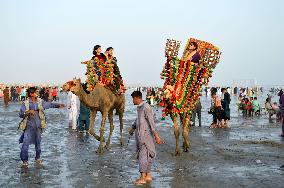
pixel 176 131
pixel 120 113
pixel 185 133
pixel 102 130
pixel 93 115
pixel 110 118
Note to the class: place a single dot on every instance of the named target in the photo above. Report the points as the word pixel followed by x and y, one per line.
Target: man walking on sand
pixel 145 133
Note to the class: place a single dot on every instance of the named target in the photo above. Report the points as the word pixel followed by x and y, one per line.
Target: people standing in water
pixel 281 101
pixel 256 107
pixel 226 99
pixel 6 96
pixel 145 133
pixel 73 105
pixel 23 93
pixel 216 110
pixel 84 115
pixel 19 91
pixel 270 109
pixel 197 111
pixel 33 124
pixel 54 94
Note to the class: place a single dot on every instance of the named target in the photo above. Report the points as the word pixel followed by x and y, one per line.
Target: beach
pixel 248 154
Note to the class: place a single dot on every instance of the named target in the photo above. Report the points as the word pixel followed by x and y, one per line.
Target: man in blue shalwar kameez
pixel 145 134
pixel 33 129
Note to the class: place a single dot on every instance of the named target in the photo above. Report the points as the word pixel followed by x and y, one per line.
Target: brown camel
pixel 103 100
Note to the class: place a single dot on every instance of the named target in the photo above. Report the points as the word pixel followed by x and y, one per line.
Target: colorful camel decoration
pixel 184 79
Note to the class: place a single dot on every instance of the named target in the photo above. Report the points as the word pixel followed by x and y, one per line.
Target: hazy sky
pixel 45 41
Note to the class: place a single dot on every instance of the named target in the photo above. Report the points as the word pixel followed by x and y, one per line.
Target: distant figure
pixel 16 94
pixel 281 101
pixel 226 100
pixel 23 94
pixel 249 106
pixel 277 111
pixel 54 94
pixel 6 96
pixel 84 116
pixel 12 93
pixel 244 107
pixel 73 105
pixel 41 93
pixel 198 112
pixel 235 90
pixel 216 110
pixel 46 94
pixel 269 108
pixel 206 91
pixel 256 106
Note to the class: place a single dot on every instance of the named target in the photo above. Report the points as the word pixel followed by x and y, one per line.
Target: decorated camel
pixel 184 79
pixel 103 100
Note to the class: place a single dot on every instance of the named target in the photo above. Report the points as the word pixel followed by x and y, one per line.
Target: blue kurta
pixel 32 134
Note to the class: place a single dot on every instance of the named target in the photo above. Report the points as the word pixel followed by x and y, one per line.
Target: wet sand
pixel 248 154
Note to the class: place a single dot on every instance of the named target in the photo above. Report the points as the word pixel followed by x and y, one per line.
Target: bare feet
pixel 148 178
pixel 25 165
pixel 140 181
pixel 213 126
pixel 38 162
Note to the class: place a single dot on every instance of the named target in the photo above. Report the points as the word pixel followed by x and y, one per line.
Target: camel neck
pixel 84 97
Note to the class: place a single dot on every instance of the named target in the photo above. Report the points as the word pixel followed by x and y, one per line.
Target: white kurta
pixel 73 104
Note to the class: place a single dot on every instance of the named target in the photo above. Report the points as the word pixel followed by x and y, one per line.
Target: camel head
pixel 76 86
pixel 66 87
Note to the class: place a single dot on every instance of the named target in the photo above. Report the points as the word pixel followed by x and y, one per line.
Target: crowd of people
pixel 19 93
pixel 40 98
pixel 248 103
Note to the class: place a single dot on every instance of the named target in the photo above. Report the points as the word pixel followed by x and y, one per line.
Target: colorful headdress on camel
pixel 101 71
pixel 184 79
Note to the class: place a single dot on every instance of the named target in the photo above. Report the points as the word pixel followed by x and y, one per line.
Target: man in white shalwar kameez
pixel 73 105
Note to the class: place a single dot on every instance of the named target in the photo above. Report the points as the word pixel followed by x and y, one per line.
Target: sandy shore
pixel 248 154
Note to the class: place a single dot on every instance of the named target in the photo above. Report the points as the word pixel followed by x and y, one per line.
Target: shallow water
pixel 248 154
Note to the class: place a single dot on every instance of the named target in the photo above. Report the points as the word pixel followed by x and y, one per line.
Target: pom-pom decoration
pixel 185 77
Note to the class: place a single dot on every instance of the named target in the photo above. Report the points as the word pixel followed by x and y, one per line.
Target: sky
pixel 45 41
